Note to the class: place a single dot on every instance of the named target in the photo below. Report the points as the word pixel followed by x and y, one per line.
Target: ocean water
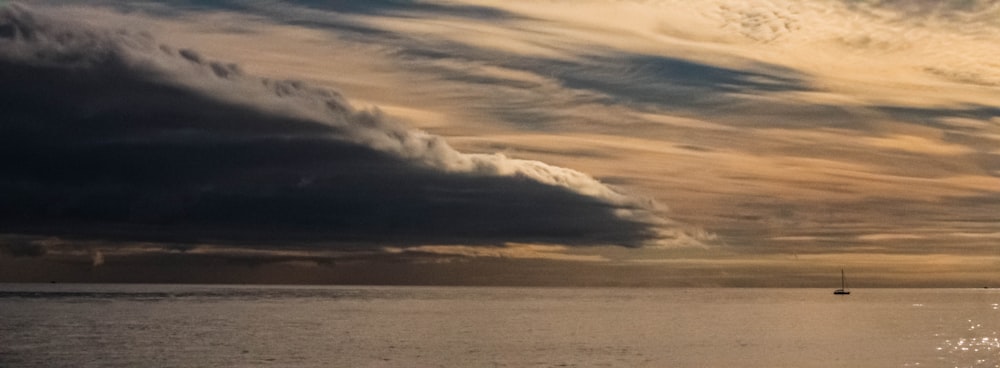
pixel 307 326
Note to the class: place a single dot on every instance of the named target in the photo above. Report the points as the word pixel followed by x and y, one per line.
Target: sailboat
pixel 843 285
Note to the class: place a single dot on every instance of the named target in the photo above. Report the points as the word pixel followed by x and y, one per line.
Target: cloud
pixel 110 134
pixel 22 248
pixel 509 251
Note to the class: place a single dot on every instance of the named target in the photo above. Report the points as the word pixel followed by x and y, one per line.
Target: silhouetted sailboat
pixel 843 285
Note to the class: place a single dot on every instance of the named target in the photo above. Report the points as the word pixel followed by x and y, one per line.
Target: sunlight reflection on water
pixel 978 347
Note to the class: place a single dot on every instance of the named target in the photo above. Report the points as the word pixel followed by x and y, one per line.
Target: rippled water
pixel 277 326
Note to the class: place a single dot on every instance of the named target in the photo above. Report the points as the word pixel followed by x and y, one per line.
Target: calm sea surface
pixel 289 326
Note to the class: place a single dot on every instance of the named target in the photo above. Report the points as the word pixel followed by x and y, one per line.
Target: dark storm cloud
pixel 107 134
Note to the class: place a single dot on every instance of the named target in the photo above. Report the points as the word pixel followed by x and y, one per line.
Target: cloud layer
pixel 829 133
pixel 110 134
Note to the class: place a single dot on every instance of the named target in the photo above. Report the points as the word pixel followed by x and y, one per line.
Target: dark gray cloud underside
pixel 106 149
pixel 672 82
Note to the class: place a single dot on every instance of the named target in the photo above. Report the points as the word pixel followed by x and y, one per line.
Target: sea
pixel 127 325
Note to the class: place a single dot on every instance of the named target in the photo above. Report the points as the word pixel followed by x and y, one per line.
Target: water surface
pixel 309 326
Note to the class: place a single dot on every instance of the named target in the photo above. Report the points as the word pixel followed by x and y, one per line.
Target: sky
pixel 487 142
